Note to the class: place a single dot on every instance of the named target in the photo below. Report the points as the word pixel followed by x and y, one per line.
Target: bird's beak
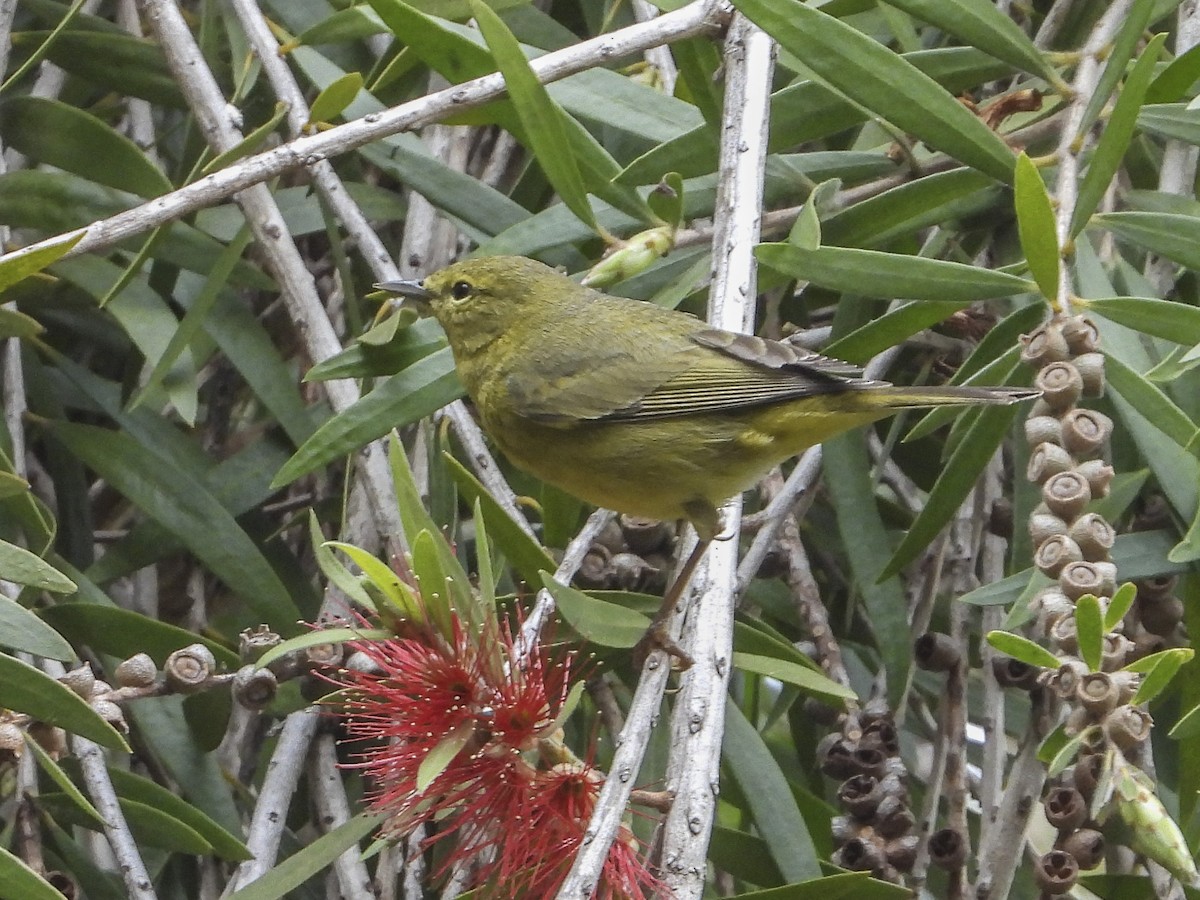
pixel 409 290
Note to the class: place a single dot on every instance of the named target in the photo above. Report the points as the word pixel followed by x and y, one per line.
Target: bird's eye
pixel 461 290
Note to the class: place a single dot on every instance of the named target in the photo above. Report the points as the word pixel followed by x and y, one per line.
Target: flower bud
pixel 111 713
pixel 1099 476
pixel 1044 429
pixel 1155 833
pixel 593 569
pixel 629 258
pixel 1079 578
pixel 1161 614
pixel 1117 649
pixel 901 851
pixel 82 681
pixel 325 656
pixel 12 741
pixel 254 642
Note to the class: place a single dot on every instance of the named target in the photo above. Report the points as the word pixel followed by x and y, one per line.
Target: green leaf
pixel 298 868
pixel 332 568
pixel 1115 138
pixel 541 117
pixel 666 199
pixel 892 88
pixel 982 24
pixel 443 753
pixel 319 636
pixel 847 473
pixel 598 621
pixel 333 100
pixel 1177 237
pixel 47 764
pixel 17 324
pixel 25 688
pixel 1089 623
pixel 527 557
pixel 1151 401
pixel 892 329
pixel 1172 83
pixel 1119 605
pixel 1166 319
pixel 364 360
pixel 19 882
pixel 790 673
pixel 21 630
pixel 1062 756
pixel 758 776
pixel 1035 224
pixel 22 567
pixel 123 632
pixel 1188 725
pixel 416 392
pixel 248 145
pixel 19 265
pixel 957 477
pixel 872 273
pixel 1022 649
pixel 400 597
pixel 1120 51
pixel 183 505
pixel 1158 676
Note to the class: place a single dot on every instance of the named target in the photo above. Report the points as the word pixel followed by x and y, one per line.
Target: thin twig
pixel 333 809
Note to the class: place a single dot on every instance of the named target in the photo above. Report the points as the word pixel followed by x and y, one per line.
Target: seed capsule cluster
pixel 876 832
pixel 1073 547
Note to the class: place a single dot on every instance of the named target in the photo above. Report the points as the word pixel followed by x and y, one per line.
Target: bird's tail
pixel 949 395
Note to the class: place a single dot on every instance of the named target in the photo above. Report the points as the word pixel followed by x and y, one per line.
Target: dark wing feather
pixel 733 371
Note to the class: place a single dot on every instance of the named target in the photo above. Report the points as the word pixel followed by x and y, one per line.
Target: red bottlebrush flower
pixel 464 736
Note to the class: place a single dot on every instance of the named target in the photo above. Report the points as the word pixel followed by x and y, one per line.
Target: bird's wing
pixel 729 371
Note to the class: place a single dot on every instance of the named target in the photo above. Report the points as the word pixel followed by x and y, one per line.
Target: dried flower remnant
pixel 462 736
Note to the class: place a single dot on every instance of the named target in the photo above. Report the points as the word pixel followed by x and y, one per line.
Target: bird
pixel 644 410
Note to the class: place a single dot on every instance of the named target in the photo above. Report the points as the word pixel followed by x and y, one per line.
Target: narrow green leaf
pixel 1188 725
pixel 1035 224
pixel 483 558
pixel 1089 622
pixel 443 753
pixel 22 567
pixel 1114 140
pixel 872 273
pixel 1172 83
pixel 441 593
pixel 983 25
pixel 123 632
pixel 527 557
pixel 748 759
pixel 19 882
pixel 398 594
pixel 957 478
pixel 598 621
pixel 82 144
pixel 540 116
pixel 298 868
pixel 1022 649
pixel 184 507
pixel 892 329
pixel 318 636
pixel 361 360
pixel 332 568
pixel 21 630
pixel 1177 237
pixel 1151 401
pixel 892 88
pixel 1119 605
pixel 416 392
pixel 333 100
pixel 248 145
pixel 1175 121
pixel 1159 676
pixel 790 673
pixel 1166 319
pixel 17 324
pixel 48 765
pixel 868 545
pixel 25 688
pixel 20 264
pixel 1120 52
pixel 666 199
pixel 1064 755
